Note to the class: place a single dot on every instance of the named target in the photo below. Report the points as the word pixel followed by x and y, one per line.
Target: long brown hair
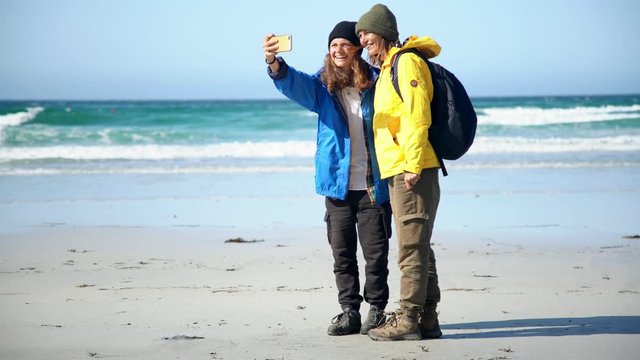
pixel 335 78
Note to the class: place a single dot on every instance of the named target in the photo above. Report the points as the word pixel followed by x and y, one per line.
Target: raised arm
pixel 270 47
pixel 305 89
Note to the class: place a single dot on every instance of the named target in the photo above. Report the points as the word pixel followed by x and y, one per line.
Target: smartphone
pixel 284 43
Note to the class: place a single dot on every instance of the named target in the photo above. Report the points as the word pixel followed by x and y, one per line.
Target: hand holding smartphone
pixel 284 43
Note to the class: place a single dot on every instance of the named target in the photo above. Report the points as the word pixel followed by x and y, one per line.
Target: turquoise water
pixel 545 165
pixel 48 137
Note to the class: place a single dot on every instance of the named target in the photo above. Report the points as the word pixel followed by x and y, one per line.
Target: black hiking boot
pixel 375 318
pixel 345 323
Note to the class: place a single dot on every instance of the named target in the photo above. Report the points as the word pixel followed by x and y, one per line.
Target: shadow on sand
pixel 543 327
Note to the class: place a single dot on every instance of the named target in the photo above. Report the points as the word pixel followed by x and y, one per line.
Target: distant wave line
pixel 502 145
pixel 298 169
pixel 157 170
pixel 534 116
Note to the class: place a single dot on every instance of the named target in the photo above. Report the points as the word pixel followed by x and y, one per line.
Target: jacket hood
pixel 425 45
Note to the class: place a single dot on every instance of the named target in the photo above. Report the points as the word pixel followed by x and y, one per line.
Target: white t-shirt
pixel 351 101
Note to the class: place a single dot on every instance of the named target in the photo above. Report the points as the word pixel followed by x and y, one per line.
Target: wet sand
pixel 533 264
pixel 140 293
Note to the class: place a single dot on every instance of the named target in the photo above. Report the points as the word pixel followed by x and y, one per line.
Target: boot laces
pixel 338 318
pixel 392 319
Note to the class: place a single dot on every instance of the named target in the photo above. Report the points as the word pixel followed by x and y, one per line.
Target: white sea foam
pixel 257 150
pixel 146 170
pixel 151 170
pixel 542 165
pixel 532 116
pixel 18 118
pixel 503 145
pixel 300 149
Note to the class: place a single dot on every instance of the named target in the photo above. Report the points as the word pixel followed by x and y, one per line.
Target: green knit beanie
pixel 379 20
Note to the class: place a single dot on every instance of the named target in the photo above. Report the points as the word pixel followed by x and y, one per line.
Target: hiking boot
pixel 375 318
pixel 399 326
pixel 345 323
pixel 429 325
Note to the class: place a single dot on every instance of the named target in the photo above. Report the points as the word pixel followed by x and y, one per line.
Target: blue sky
pixel 157 49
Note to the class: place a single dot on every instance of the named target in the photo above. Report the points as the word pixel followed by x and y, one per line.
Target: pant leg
pixel 341 232
pixel 374 223
pixel 433 289
pixel 414 212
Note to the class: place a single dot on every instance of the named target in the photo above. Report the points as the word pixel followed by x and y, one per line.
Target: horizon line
pixel 283 98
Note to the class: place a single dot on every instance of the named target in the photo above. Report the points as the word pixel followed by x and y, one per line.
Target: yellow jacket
pixel 401 128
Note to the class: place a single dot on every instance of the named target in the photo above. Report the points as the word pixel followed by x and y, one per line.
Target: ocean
pixel 540 167
pixel 278 136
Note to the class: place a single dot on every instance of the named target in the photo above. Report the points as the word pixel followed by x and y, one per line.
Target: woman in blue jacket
pixel 356 199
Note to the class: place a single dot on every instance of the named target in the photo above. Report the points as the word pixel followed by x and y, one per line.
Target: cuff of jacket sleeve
pixel 282 70
pixel 412 169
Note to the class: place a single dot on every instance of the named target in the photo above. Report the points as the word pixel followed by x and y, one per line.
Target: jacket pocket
pixel 412 230
pixel 387 138
pixel 417 216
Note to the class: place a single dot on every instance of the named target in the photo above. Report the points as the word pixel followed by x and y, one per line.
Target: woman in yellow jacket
pixel 406 157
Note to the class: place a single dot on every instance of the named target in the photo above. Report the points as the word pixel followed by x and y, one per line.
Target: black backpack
pixel 453 119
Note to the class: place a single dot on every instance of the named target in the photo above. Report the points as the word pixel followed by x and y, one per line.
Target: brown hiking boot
pixel 399 326
pixel 429 325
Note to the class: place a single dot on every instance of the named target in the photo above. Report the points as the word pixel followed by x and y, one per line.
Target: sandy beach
pixel 158 186
pixel 85 277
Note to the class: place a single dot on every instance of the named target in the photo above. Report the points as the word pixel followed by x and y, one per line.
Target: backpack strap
pixel 394 73
pixel 396 86
pixel 394 67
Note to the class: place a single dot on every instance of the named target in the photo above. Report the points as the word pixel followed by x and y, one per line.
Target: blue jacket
pixel 332 159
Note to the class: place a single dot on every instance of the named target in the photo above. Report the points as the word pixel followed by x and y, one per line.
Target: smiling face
pixel 372 42
pixel 342 52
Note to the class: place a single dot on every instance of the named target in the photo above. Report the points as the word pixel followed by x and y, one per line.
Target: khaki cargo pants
pixel 414 212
